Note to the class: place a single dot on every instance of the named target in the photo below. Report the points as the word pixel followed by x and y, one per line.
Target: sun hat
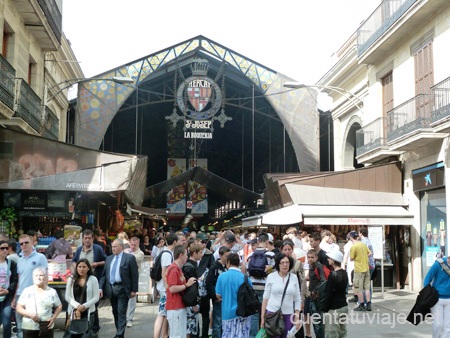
pixel 336 256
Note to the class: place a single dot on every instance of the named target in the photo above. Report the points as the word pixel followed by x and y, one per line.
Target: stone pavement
pixel 387 319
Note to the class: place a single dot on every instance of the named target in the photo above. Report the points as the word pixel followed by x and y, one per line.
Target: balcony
pixel 7 85
pixel 382 18
pixel 371 143
pixel 27 112
pixel 409 124
pixel 51 125
pixel 440 116
pixel 44 19
pixel 391 24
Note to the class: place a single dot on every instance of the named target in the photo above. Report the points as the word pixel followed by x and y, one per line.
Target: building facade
pixel 36 63
pixel 396 68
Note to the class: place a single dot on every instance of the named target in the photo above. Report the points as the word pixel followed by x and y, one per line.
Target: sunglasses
pixel 24 243
pixel 4 248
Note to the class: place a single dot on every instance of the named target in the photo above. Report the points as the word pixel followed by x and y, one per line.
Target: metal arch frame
pixel 95 111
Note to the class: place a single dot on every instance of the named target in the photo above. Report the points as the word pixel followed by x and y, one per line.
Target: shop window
pixel 433 210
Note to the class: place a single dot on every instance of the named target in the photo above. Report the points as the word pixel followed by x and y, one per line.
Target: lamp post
pixel 344 92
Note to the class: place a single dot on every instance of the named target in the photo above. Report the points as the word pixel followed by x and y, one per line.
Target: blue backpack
pixel 257 264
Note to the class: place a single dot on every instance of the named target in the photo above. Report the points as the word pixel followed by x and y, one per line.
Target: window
pixel 423 64
pixel 388 98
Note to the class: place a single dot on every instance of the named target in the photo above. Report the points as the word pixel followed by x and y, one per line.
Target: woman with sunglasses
pixel 273 299
pixel 8 284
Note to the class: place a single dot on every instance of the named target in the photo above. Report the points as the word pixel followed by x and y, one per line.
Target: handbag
pixel 274 322
pixel 78 325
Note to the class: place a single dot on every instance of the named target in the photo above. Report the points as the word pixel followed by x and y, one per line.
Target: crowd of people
pixel 288 274
pixel 285 274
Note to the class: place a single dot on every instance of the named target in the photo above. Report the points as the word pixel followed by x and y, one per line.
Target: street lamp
pixel 344 92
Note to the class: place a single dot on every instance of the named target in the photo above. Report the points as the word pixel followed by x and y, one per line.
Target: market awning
pixel 29 162
pixel 287 215
pixel 355 215
pixel 333 215
pixel 146 211
pixel 210 181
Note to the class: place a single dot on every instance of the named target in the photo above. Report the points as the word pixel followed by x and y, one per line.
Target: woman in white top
pixel 36 304
pixel 82 292
pixel 273 293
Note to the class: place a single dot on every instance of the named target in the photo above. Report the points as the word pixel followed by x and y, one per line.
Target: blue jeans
pixel 5 311
pixel 254 328
pixel 317 320
pixel 217 320
pixel 18 321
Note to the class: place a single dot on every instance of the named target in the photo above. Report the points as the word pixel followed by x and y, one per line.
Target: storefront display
pixel 429 183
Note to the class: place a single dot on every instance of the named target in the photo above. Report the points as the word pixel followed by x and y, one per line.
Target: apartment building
pixel 36 65
pixel 396 107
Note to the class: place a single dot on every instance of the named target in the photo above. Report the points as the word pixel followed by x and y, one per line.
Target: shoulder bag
pixel 274 322
pixel 79 326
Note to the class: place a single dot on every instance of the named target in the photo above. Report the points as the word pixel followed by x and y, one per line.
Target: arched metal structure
pixel 99 101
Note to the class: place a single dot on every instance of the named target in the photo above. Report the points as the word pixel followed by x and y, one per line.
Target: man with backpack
pixel 162 262
pixel 227 289
pixel 259 264
pixel 316 277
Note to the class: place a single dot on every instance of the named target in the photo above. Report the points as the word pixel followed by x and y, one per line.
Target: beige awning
pixel 355 215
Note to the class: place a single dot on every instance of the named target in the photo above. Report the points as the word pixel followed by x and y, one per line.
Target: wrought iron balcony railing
pixel 51 125
pixel 371 137
pixel 7 82
pixel 441 95
pixel 28 105
pixel 53 15
pixel 381 19
pixel 410 116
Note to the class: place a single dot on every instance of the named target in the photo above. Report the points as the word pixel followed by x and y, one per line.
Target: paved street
pixel 375 324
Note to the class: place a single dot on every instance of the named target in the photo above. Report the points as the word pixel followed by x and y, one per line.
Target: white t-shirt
pixel 4 281
pixel 166 260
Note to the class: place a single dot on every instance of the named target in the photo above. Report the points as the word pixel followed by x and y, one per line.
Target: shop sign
pixel 197 200
pixel 57 200
pixel 352 220
pixel 429 177
pixel 34 201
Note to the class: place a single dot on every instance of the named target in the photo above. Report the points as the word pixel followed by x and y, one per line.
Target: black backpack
pixel 257 264
pixel 247 300
pixel 156 271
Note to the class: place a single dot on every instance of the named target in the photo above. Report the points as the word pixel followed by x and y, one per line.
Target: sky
pixel 297 38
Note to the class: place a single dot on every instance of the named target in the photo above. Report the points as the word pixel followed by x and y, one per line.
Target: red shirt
pixel 174 277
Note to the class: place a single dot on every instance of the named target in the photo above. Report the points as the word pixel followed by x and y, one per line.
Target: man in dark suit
pixel 119 282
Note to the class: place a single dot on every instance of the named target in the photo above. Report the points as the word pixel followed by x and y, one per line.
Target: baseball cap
pixel 336 256
pixel 230 238
pixel 201 236
pixel 270 237
pixel 352 234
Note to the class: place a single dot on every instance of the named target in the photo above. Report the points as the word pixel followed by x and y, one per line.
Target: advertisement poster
pixel 197 195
